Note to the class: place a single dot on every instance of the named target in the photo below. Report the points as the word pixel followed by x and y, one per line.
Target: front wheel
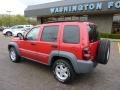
pixel 13 55
pixel 63 71
pixel 9 34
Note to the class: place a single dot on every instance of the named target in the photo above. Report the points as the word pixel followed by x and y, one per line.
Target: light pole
pixel 9 17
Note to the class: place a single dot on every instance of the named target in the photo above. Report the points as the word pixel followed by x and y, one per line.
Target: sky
pixel 18 6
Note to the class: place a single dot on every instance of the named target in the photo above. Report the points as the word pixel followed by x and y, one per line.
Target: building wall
pixel 104 22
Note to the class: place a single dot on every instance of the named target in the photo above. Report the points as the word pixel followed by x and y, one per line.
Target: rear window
pixel 93 33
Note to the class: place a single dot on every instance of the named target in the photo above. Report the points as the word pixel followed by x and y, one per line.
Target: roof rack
pixel 63 21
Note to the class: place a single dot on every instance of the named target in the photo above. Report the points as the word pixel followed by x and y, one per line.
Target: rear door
pixel 70 39
pixel 48 42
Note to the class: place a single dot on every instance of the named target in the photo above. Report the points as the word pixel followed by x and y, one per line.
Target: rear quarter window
pixel 71 34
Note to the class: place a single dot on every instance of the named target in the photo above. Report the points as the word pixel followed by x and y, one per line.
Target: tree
pixel 6 20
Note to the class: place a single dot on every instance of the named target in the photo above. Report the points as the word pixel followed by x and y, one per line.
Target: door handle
pixel 54 46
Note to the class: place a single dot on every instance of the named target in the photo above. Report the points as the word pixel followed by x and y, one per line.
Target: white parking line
pixel 119 46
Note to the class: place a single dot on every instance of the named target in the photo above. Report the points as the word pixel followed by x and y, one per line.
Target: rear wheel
pixel 13 55
pixel 63 71
pixel 19 34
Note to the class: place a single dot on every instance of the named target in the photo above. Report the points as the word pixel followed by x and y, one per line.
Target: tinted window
pixel 50 34
pixel 27 26
pixel 71 34
pixel 20 27
pixel 93 33
pixel 33 34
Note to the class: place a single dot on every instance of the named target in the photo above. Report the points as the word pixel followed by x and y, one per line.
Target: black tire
pixel 103 52
pixel 9 33
pixel 15 58
pixel 19 35
pixel 67 75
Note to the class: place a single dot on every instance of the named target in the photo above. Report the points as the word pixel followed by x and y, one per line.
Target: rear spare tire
pixel 103 52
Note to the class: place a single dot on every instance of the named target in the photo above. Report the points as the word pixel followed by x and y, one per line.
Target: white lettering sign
pixel 85 7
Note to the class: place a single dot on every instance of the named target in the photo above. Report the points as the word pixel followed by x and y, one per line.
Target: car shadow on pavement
pixel 34 64
pixel 79 79
pixel 91 78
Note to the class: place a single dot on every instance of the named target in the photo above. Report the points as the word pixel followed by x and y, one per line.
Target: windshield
pixel 13 27
pixel 93 33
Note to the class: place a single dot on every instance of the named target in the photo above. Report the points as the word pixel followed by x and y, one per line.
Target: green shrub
pixel 104 35
pixel 112 36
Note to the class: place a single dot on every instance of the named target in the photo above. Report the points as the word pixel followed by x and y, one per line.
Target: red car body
pixel 80 57
pixel 40 51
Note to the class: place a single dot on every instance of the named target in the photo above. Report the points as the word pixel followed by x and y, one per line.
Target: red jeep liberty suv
pixel 67 47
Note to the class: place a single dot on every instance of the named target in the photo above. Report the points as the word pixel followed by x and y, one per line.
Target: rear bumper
pixel 85 66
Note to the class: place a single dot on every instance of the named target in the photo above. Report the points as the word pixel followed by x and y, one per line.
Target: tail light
pixel 86 53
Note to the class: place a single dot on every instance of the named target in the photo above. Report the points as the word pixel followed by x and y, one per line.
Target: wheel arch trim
pixel 15 45
pixel 71 57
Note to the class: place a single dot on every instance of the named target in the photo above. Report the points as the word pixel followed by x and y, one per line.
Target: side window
pixel 14 27
pixel 71 34
pixel 50 33
pixel 19 27
pixel 28 26
pixel 33 34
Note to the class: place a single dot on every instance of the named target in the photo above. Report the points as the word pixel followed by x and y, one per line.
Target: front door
pixel 40 42
pixel 28 47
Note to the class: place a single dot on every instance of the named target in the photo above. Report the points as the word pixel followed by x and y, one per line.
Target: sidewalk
pixel 112 40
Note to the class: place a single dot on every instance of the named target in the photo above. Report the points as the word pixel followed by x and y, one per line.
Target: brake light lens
pixel 86 53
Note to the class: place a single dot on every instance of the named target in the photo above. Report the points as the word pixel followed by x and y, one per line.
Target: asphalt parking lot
pixel 29 75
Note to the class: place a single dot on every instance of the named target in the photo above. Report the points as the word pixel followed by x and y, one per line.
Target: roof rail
pixel 63 21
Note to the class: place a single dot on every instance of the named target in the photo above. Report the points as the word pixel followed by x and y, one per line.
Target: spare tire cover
pixel 103 52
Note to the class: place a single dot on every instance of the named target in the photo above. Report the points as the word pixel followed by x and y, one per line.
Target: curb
pixel 112 40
